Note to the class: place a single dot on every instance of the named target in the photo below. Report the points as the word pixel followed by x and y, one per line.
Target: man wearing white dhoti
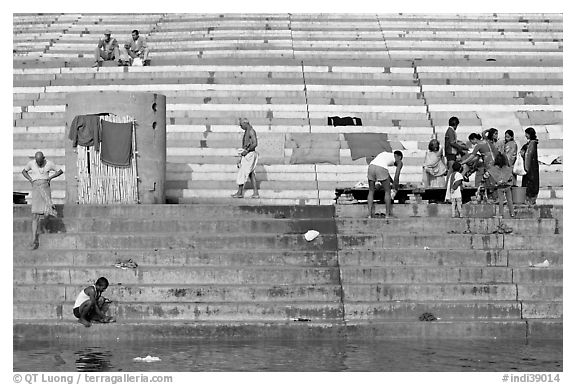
pixel 37 172
pixel 248 160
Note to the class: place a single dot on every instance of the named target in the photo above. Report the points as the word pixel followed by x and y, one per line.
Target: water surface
pixel 292 355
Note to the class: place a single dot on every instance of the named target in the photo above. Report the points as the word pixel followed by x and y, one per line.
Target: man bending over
pixel 378 174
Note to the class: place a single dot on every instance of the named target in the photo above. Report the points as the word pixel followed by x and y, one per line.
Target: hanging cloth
pixel 116 146
pixel 85 131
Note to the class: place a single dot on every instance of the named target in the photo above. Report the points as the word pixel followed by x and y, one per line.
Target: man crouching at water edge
pixel 89 305
pixel 378 174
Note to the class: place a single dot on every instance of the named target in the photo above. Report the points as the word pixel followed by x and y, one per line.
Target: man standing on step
pixel 135 48
pixel 451 145
pixel 378 174
pixel 107 49
pixel 37 172
pixel 248 160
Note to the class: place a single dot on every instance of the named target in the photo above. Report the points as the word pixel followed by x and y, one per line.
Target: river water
pixel 292 355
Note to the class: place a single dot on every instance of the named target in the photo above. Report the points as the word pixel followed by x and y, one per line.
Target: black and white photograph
pixel 256 190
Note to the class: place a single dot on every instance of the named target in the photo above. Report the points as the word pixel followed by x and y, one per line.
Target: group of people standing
pixel 495 162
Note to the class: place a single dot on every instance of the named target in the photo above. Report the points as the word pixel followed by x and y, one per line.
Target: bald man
pixel 37 172
pixel 248 160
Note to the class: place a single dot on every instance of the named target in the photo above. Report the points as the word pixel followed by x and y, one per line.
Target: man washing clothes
pixel 248 160
pixel 37 172
pixel 136 48
pixel 107 50
pixel 378 174
pixel 90 305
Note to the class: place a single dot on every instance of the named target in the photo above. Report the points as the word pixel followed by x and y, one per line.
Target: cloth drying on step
pixel 367 144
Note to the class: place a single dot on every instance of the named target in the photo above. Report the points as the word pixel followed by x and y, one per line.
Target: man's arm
pixel 252 142
pixel 396 182
pixel 100 43
pixel 456 184
pixel 94 302
pixel 55 175
pixel 26 175
pixel 452 142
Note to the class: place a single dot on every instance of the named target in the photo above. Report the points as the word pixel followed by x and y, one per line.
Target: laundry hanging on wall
pixel 100 182
pixel 85 131
pixel 116 146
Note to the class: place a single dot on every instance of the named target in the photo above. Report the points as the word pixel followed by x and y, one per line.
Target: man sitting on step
pixel 107 49
pixel 248 160
pixel 37 172
pixel 136 48
pixel 378 174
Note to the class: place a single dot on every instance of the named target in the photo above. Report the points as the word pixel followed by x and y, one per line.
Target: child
pixel 454 190
pixel 89 304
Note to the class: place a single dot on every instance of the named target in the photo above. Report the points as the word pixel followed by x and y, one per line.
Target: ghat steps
pixel 229 270
pixel 402 74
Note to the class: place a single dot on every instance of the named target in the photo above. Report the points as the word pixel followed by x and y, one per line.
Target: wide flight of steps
pixel 402 74
pixel 476 281
pixel 247 270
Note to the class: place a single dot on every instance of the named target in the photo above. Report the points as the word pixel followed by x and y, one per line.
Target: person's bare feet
pixel 84 322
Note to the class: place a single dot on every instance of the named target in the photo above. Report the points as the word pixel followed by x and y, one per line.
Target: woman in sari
pixel 485 150
pixel 511 151
pixel 500 179
pixel 434 168
pixel 531 180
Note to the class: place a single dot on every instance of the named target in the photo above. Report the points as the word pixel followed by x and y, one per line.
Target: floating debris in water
pixel 147 359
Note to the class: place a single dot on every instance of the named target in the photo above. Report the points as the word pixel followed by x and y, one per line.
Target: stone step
pixel 426 274
pixel 236 311
pixel 535 275
pixel 445 310
pixel 187 293
pixel 540 292
pixel 46 330
pixel 386 292
pixel 452 241
pixel 181 240
pixel 445 225
pixel 238 209
pixel 443 210
pixel 376 226
pixel 447 257
pixel 240 275
pixel 542 309
pixel 97 258
pixel 194 225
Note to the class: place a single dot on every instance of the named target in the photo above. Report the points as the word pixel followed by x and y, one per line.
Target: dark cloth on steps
pixel 116 143
pixel 367 144
pixel 345 121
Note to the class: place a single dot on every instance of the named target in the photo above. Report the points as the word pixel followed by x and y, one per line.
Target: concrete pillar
pixel 149 110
